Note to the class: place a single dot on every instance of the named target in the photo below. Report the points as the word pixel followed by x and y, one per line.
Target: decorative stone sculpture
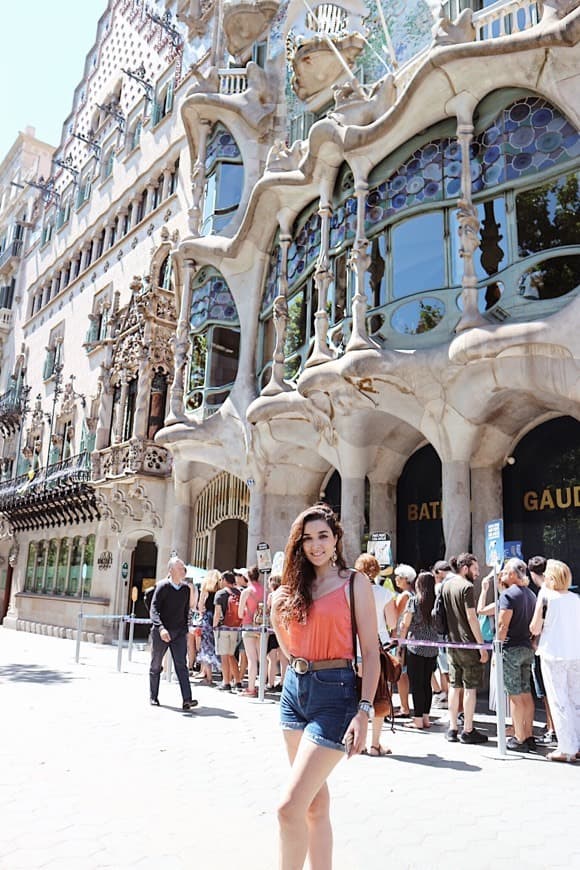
pixel 354 107
pixel 316 66
pixel 447 32
pixel 281 158
pixel 554 10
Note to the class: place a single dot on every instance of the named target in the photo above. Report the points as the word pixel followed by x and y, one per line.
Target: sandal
pixel 562 756
pixel 379 751
pixel 410 726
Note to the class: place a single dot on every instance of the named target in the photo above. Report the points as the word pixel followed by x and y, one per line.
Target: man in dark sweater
pixel 169 615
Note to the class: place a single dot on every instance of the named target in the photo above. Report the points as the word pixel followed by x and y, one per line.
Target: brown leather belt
pixel 303 666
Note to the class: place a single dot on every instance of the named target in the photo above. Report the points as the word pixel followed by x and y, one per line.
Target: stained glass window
pixel 212 301
pixel 528 136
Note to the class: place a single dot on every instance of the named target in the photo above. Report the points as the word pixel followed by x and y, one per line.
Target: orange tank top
pixel 327 632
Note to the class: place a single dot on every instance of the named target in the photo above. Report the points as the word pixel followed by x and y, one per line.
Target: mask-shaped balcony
pixel 244 21
pixel 316 66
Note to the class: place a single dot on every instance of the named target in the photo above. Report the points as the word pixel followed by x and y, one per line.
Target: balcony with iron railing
pixel 11 253
pixel 59 494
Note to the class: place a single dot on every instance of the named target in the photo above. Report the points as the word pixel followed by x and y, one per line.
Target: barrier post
pixel 79 632
pixel 499 685
pixel 131 633
pixel 168 665
pixel 120 642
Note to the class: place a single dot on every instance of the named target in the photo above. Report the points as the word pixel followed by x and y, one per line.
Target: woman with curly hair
pixel 319 712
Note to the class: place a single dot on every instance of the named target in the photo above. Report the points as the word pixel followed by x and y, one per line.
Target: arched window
pixel 62 566
pixel 157 404
pixel 163 103
pixel 224 180
pixel 215 343
pixel 87 565
pixel 74 574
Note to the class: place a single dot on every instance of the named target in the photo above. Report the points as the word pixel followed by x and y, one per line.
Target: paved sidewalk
pixel 92 777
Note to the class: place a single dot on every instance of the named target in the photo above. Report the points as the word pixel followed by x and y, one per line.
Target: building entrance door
pixel 420 540
pixel 144 575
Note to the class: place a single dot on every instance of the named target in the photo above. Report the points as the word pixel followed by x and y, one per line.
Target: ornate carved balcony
pixel 135 457
pixel 57 495
pixel 11 253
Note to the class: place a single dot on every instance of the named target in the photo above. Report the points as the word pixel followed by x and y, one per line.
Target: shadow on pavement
pixel 20 673
pixel 201 711
pixel 432 760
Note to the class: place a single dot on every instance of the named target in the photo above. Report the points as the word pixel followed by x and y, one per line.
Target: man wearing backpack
pixel 225 618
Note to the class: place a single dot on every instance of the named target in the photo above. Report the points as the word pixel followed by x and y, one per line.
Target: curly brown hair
pixel 298 573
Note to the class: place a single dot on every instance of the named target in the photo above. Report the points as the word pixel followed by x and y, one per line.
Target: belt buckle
pixel 301 665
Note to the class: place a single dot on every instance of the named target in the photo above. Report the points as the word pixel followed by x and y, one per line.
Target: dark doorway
pixel 541 493
pixel 420 540
pixel 231 544
pixel 143 576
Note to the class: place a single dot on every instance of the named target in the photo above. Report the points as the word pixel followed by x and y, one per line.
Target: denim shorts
pixel 320 703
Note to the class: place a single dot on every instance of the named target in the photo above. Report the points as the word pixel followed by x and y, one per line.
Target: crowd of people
pixel 329 623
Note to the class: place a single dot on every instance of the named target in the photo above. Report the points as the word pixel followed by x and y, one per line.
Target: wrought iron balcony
pixel 12 251
pixel 12 407
pixel 134 457
pixel 56 495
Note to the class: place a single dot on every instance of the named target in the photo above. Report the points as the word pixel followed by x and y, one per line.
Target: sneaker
pixel 460 719
pixel 224 687
pixel 547 738
pixel 239 687
pixel 189 705
pixel 532 745
pixel 451 736
pixel 514 744
pixel 154 702
pixel 473 736
pixel 440 702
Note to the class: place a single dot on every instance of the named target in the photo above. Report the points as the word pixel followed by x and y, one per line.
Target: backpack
pixel 439 615
pixel 231 618
pixel 259 614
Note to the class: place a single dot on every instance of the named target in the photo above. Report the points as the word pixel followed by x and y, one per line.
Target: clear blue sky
pixel 42 53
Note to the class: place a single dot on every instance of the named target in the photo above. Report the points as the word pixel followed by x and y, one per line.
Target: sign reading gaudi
pixel 560 498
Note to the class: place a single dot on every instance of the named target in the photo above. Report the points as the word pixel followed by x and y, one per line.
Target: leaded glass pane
pixel 418 254
pixel 549 216
pixel 212 301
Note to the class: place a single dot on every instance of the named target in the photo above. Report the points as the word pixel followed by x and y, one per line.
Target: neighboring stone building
pixel 370 257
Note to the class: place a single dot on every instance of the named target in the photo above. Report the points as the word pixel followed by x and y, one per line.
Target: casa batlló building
pixel 290 252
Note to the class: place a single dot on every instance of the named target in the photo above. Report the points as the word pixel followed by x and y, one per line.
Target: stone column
pixel 150 198
pixel 198 179
pixel 134 211
pixel 468 220
pixel 142 400
pixel 383 508
pixel 105 410
pixel 456 507
pixel 181 348
pixel 120 421
pixel 166 184
pixel 277 384
pixel 181 530
pixel 487 504
pixel 352 507
pixel 322 279
pixel 271 515
pixel 358 262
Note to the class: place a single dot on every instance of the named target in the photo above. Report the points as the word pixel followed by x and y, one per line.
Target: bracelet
pixel 364 701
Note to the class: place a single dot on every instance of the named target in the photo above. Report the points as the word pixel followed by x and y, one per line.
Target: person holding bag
pixel 320 714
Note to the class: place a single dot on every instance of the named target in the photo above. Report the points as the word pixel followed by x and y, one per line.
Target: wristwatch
pixel 367 708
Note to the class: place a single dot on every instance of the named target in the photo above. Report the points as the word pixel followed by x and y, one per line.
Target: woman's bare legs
pixel 252 647
pixel 304 813
pixel 403 686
